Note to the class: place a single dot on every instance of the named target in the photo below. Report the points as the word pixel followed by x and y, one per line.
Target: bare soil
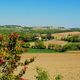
pixel 66 64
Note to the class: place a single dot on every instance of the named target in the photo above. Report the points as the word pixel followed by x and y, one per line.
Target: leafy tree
pixel 49 36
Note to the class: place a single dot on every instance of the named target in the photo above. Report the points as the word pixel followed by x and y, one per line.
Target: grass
pixel 40 51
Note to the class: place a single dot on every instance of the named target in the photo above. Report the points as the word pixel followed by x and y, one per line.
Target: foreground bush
pixel 41 74
pixel 10 60
pixel 58 77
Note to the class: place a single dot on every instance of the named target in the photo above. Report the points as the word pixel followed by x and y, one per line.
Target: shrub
pixel 58 77
pixel 10 60
pixel 58 48
pixel 49 36
pixel 27 61
pixel 73 46
pixel 26 45
pixel 39 45
pixel 50 46
pixel 41 74
pixel 68 46
pixel 44 37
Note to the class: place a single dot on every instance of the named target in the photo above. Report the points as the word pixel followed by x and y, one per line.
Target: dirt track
pixel 68 65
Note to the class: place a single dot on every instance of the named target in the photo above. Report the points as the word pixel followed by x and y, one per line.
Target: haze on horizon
pixel 40 12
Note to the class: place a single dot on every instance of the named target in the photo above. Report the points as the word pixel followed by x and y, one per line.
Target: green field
pixel 40 51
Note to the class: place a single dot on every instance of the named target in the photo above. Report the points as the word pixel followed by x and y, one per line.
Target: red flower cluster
pixel 13 35
pixel 1 61
pixel 1 37
pixel 21 78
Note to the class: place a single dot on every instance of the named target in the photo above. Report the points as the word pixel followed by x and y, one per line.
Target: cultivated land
pixel 66 64
pixel 59 35
pixel 59 42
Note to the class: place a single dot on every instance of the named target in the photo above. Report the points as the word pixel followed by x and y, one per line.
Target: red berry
pixel 1 61
pixel 21 78
pixel 1 37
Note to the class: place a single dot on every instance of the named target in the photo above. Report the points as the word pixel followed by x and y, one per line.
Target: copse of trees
pixel 49 36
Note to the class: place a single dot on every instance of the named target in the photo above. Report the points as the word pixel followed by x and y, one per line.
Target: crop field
pixel 67 65
pixel 59 35
pixel 59 42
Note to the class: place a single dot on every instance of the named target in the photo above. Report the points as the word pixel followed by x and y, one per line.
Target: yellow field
pixel 59 42
pixel 66 64
pixel 59 35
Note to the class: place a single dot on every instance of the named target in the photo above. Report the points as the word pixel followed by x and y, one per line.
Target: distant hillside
pixel 5 29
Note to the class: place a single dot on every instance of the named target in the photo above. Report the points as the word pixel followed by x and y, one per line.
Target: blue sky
pixel 40 12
